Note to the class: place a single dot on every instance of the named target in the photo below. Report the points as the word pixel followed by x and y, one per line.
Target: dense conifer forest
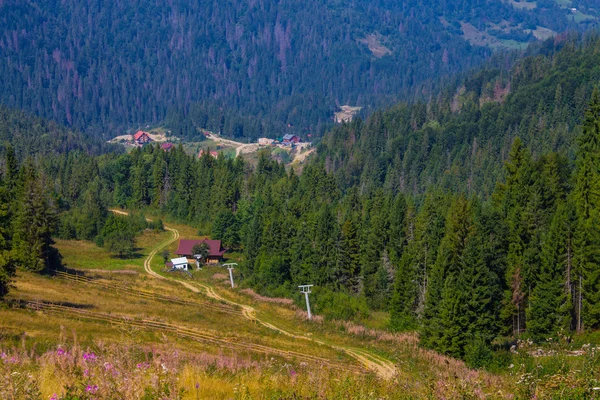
pixel 473 219
pixel 248 69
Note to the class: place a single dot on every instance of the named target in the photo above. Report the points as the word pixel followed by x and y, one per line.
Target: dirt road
pixel 240 148
pixel 381 366
pixel 384 368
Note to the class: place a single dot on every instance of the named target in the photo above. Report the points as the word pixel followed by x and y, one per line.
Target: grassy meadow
pixel 124 334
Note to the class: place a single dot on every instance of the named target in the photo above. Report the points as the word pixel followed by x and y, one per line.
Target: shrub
pixel 339 305
pixel 478 354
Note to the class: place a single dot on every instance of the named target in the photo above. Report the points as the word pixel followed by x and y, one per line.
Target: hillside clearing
pixel 116 308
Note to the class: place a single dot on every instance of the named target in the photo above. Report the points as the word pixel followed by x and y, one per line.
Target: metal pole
pixel 231 276
pixel 308 305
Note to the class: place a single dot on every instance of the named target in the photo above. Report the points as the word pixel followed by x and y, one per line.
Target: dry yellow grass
pixel 281 329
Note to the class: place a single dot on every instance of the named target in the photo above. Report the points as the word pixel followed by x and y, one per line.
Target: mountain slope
pixel 460 140
pixel 34 136
pixel 254 67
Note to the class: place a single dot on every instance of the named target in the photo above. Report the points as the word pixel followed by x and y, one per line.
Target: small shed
pixel 180 263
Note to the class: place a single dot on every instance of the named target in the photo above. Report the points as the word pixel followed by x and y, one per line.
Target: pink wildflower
pixel 89 356
pixel 60 352
pixel 91 389
pixel 143 366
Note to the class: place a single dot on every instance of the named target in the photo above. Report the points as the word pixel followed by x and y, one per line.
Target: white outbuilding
pixel 180 263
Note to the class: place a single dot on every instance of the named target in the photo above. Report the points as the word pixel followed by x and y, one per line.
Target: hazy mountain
pixel 248 68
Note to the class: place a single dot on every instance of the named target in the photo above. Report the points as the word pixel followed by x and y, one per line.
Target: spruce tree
pixel 7 262
pixel 513 197
pixel 34 221
pixel 549 309
pixel 440 306
pixel 480 286
pixel 587 237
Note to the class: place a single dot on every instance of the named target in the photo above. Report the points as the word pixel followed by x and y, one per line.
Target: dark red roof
pixel 166 146
pixel 214 247
pixel 139 134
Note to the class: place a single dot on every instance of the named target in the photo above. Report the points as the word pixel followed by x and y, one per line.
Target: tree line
pixel 463 270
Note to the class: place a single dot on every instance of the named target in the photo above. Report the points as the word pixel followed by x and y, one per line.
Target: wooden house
pixel 289 138
pixel 215 250
pixel 141 137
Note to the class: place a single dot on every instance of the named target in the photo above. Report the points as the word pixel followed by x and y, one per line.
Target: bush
pixel 478 354
pixel 339 305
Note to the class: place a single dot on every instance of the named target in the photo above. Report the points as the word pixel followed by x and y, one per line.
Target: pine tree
pixel 35 219
pixel 348 257
pixel 448 332
pixel 587 237
pixel 441 303
pixel 549 309
pixel 403 306
pixel 375 237
pixel 480 285
pixel 7 262
pixel 514 196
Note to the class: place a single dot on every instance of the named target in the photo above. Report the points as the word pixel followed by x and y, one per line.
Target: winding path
pixel 383 367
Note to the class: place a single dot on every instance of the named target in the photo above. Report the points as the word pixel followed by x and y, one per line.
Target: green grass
pixel 422 373
pixel 512 44
pixel 86 255
pixel 193 148
pixel 527 5
pixel 581 17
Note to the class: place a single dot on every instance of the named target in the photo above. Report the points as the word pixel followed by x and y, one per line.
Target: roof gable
pixel 214 247
pixel 139 134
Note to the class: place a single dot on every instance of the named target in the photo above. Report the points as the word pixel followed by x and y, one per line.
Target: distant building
pixel 166 146
pixel 289 138
pixel 215 250
pixel 141 137
pixel 213 154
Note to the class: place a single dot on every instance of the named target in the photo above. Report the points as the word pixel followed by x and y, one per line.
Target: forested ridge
pixel 245 69
pixel 29 135
pixel 458 140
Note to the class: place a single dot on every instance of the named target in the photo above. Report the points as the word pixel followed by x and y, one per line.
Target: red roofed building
pixel 215 250
pixel 141 137
pixel 212 153
pixel 289 138
pixel 166 146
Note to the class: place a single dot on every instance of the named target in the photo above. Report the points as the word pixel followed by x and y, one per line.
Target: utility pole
pixel 306 290
pixel 230 268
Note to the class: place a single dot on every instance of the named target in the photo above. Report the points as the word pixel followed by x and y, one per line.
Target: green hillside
pixel 460 140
